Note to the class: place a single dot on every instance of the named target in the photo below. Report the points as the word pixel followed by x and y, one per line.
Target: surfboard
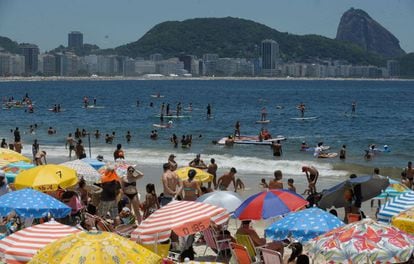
pixel 328 155
pixel 305 118
pixel 263 121
pixel 173 116
pixel 311 149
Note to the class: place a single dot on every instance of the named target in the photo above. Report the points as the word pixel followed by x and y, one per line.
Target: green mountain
pixel 9 45
pixel 235 37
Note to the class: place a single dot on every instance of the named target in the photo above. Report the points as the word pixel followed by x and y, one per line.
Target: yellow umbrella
pixel 12 156
pixel 94 248
pixel 46 178
pixel 201 175
pixel 404 221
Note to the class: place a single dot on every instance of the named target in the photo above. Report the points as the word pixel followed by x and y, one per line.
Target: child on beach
pixel 150 204
pixel 263 186
pixel 291 187
pixel 239 184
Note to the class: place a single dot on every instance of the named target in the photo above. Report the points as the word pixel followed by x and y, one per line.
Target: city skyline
pixel 109 24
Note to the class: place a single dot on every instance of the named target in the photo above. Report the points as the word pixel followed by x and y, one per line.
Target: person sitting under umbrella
pixel 246 229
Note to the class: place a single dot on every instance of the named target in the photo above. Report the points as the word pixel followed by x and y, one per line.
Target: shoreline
pixel 168 78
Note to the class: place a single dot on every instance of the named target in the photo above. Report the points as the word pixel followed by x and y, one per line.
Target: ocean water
pixel 384 115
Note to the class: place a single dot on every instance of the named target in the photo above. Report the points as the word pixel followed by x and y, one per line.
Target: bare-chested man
pixel 312 175
pixel 276 183
pixel 225 180
pixel 170 184
pixel 409 172
pixel 71 142
pixel 212 169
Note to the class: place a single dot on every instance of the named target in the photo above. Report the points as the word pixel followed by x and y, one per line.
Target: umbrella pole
pixel 89 144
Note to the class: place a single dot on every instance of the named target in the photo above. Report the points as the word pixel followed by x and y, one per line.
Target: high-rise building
pixel 393 67
pixel 270 57
pixel 75 40
pixel 4 64
pixel 30 53
pixel 49 64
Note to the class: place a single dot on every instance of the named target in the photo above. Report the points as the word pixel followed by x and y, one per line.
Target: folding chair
pixel 214 243
pixel 246 241
pixel 270 256
pixel 241 254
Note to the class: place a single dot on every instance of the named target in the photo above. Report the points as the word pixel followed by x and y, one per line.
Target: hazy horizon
pixel 109 24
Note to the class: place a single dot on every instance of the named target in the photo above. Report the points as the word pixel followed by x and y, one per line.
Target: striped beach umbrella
pixel 83 170
pixel 21 246
pixel 395 206
pixel 395 188
pixel 182 217
pixel 269 204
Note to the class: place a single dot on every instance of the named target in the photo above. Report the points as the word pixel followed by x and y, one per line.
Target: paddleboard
pixel 252 140
pixel 304 118
pixel 157 96
pixel 161 126
pixel 94 107
pixel 263 121
pixel 173 116
pixel 328 155
pixel 311 149
pixel 61 110
pixel 350 115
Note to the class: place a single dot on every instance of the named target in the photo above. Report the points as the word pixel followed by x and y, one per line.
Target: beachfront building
pixel 30 53
pixel 156 57
pixel 393 68
pixel 209 64
pixel 5 64
pixel 107 65
pixel 70 65
pixel 270 57
pixel 90 63
pixel 145 67
pixel 75 40
pixel 170 67
pixel 47 64
pixel 234 67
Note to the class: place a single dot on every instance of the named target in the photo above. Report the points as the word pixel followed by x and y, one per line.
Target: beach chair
pixel 270 256
pixel 240 253
pixel 217 245
pixel 246 241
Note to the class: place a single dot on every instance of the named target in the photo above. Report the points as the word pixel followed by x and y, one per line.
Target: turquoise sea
pixel 384 115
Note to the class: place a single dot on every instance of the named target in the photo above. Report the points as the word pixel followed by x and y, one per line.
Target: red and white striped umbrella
pixel 182 217
pixel 21 246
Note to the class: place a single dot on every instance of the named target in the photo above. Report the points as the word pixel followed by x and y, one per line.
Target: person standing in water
pixel 353 107
pixel 237 129
pixel 263 114
pixel 301 108
pixel 208 111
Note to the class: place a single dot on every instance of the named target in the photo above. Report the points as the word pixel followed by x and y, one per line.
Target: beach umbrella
pixel 32 203
pixel 225 199
pixel 201 176
pixel 269 204
pixel 4 162
pixel 84 170
pixel 365 241
pixel 22 245
pixel 303 225
pixel 46 178
pixel 395 206
pixel 371 186
pixel 12 156
pixel 395 188
pixel 12 169
pixel 404 221
pixel 96 164
pixel 182 217
pixel 95 248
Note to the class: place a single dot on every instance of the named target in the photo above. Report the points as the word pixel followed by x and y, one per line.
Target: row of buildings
pixel 31 62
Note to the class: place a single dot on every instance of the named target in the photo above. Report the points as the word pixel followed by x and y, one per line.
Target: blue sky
pixel 110 23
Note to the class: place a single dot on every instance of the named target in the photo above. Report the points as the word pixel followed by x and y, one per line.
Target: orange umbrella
pixel 109 175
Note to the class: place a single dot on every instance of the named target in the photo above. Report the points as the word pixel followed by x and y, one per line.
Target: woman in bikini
pixel 191 188
pixel 150 204
pixel 129 185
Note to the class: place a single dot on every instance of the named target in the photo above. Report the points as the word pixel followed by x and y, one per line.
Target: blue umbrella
pixel 303 225
pixel 12 169
pixel 96 164
pixel 33 204
pixel 395 206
